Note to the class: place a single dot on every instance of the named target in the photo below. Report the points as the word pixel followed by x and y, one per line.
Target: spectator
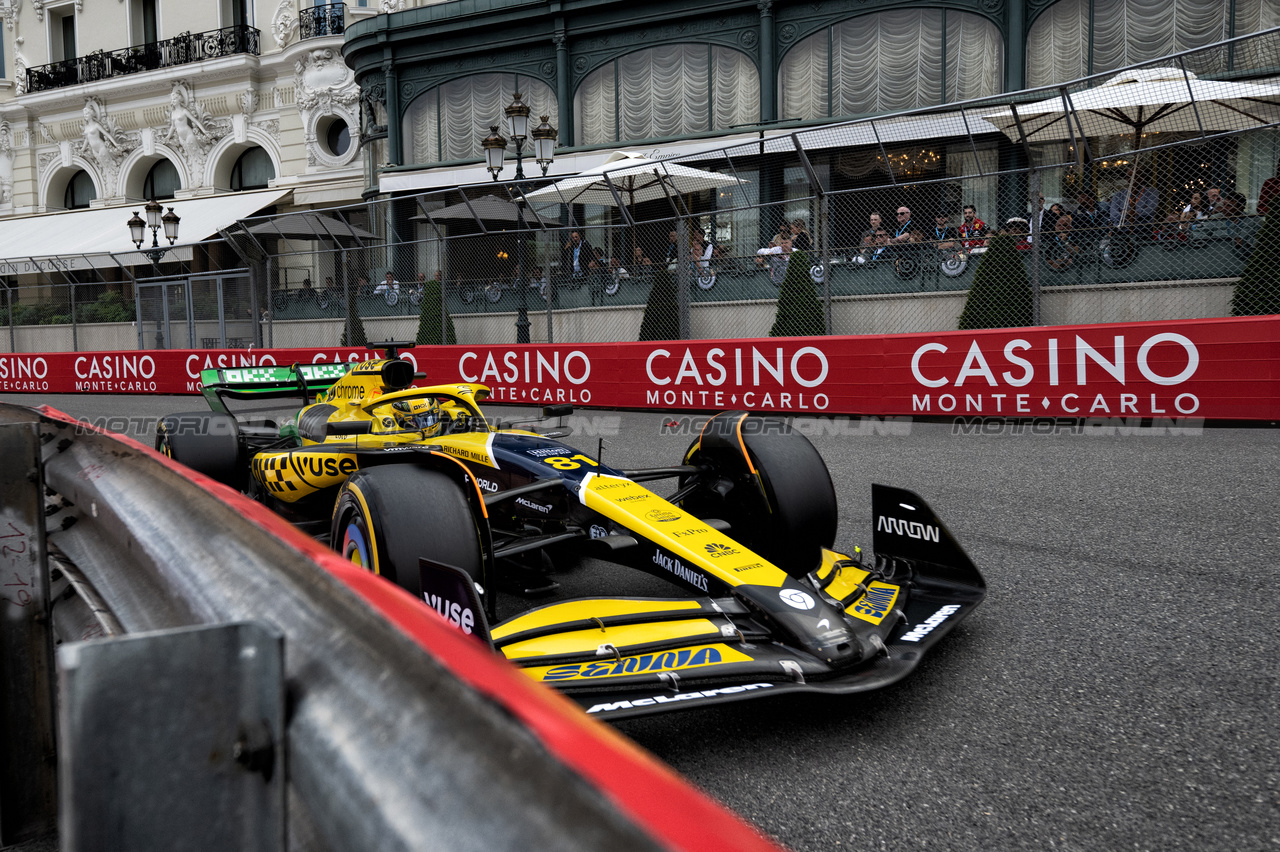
pixel 973 231
pixel 1086 216
pixel 1136 207
pixel 1196 209
pixel 362 285
pixel 306 283
pixel 1062 248
pixel 577 255
pixel 945 238
pixel 800 239
pixel 1017 228
pixel 869 235
pixel 776 256
pixel 1270 187
pixel 902 235
pixel 388 284
pixel 673 253
pixel 1214 198
pixel 639 260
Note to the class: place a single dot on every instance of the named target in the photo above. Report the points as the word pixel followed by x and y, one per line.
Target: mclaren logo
pixel 931 623
pixel 679 696
pixel 910 529
pixel 715 550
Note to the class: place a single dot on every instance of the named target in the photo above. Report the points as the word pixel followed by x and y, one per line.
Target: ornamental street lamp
pixel 495 148
pixel 138 230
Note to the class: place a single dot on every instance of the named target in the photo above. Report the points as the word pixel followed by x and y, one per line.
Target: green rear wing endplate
pixel 302 381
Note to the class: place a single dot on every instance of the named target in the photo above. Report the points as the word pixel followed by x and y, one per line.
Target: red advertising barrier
pixel 1217 369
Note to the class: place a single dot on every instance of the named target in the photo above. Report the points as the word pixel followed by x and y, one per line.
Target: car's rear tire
pixel 206 442
pixel 386 518
pixel 785 510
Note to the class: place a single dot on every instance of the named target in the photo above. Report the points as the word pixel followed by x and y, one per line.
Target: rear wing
pixel 297 381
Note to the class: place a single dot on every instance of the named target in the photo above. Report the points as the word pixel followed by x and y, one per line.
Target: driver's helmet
pixel 417 414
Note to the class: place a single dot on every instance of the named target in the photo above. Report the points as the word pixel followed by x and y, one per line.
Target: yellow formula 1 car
pixel 415 484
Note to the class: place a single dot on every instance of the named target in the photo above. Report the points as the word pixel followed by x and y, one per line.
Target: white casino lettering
pixel 807 367
pixel 977 365
pixel 535 367
pixel 25 368
pixel 226 359
pixel 115 367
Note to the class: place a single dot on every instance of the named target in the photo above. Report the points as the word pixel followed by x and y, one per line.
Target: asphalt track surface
pixel 1116 691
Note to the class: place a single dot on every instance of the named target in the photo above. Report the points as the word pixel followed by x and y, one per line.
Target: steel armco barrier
pixel 400 734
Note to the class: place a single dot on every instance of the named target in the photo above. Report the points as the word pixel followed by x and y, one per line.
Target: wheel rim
pixel 355 544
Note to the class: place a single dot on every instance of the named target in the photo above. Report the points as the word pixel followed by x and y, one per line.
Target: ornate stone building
pixel 109 102
pixel 672 76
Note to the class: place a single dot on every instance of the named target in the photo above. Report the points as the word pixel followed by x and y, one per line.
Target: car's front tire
pixel 770 484
pixel 386 518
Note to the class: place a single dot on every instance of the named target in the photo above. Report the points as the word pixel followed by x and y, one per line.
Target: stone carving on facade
pixel 284 23
pixel 19 70
pixel 102 142
pixel 45 158
pixel 6 163
pixel 325 86
pixel 10 9
pixel 249 101
pixel 386 7
pixel 191 129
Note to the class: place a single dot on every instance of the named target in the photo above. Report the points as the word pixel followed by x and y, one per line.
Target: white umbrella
pixel 635 178
pixel 1146 100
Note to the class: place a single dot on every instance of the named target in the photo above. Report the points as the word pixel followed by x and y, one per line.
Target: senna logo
pixel 715 550
pixel 662 516
pixel 876 602
pixel 683 658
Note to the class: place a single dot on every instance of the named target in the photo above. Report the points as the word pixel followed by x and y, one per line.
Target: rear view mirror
pixel 557 410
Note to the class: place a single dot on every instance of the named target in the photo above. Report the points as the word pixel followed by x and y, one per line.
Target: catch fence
pixel 1138 195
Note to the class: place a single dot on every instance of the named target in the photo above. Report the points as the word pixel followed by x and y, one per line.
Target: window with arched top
pixel 448 122
pixel 252 170
pixel 1062 45
pixel 162 181
pixel 79 192
pixel 891 61
pixel 671 90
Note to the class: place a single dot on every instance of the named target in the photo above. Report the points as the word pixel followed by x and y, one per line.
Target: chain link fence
pixel 1140 195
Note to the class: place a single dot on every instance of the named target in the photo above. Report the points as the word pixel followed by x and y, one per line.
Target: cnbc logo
pixel 716 550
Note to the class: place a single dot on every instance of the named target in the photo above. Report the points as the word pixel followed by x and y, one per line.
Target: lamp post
pixel 495 149
pixel 155 221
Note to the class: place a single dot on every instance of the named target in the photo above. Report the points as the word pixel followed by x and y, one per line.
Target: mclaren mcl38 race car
pixel 418 486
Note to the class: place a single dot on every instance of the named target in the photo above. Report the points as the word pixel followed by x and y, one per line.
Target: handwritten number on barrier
pixel 16 591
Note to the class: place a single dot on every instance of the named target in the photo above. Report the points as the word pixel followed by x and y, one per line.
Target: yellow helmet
pixel 418 414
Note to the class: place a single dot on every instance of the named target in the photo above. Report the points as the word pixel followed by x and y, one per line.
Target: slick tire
pixel 387 518
pixel 206 442
pixel 778 497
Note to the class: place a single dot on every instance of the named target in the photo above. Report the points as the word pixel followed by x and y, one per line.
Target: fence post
pixel 683 276
pixel 824 231
pixel 1037 243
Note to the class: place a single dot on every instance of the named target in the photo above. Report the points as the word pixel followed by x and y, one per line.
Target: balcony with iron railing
pixel 325 20
pixel 179 50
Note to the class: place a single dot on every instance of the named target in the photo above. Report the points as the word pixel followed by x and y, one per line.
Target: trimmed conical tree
pixel 1000 296
pixel 429 318
pixel 799 311
pixel 661 313
pixel 353 334
pixel 1258 290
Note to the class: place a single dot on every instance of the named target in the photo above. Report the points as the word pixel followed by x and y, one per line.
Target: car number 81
pixel 567 462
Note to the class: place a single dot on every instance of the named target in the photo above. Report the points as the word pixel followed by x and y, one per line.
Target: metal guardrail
pixel 179 50
pixel 399 733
